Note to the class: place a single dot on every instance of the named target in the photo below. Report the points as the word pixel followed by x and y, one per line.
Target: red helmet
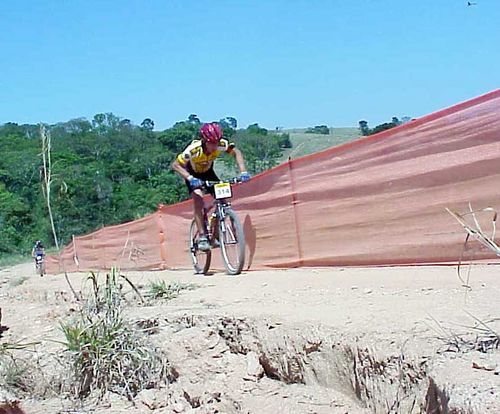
pixel 211 133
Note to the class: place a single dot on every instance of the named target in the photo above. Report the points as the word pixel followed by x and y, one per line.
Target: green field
pixel 304 144
pixel 9 260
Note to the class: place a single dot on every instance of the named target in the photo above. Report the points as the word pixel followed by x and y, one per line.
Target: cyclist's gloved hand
pixel 194 182
pixel 244 177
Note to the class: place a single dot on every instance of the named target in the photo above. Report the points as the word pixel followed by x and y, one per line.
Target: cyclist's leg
pixel 198 204
pixel 203 243
pixel 197 196
pixel 210 175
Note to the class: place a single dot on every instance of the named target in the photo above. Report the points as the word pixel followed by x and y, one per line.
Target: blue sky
pixel 288 63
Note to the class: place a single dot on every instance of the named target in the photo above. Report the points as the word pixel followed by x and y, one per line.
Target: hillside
pixel 304 144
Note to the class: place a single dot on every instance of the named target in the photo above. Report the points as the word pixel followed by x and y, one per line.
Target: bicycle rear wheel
pixel 232 242
pixel 40 268
pixel 201 260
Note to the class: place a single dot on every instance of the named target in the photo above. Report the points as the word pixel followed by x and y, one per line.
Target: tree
pixel 77 126
pixel 193 119
pixel 13 212
pixel 228 125
pixel 11 128
pixel 148 124
pixel 261 148
pixel 382 127
pixel 231 122
pixel 256 130
pixel 99 121
pixel 284 140
pixel 100 172
pixel 103 123
pixel 125 124
pixel 179 136
pixel 363 127
pixel 319 129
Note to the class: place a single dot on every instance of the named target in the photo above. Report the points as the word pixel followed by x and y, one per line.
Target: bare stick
pixel 47 176
pixel 75 254
pixel 78 299
pixel 477 233
pixel 133 287
pixel 126 243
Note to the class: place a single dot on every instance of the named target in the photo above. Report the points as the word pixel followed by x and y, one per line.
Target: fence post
pixel 161 237
pixel 295 213
pixel 75 254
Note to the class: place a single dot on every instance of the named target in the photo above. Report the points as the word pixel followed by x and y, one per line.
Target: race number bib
pixel 222 190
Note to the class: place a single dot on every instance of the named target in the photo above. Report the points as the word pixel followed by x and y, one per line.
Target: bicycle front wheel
pixel 201 260
pixel 232 242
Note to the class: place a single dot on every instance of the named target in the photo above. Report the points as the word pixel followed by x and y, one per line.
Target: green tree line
pixel 104 171
pixel 395 121
pixel 318 129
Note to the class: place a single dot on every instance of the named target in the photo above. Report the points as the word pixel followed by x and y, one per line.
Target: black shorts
pixel 205 176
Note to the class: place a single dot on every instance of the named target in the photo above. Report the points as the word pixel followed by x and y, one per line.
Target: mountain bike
pixel 223 228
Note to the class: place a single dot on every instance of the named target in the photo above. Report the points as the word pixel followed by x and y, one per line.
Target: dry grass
pixel 481 336
pixel 470 223
pixel 108 353
pixel 21 372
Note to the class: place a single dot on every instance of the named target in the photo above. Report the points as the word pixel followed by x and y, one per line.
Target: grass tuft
pixel 161 290
pixel 108 353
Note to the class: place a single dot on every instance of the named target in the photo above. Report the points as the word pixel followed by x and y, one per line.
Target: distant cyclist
pixel 195 165
pixel 38 249
pixel 38 253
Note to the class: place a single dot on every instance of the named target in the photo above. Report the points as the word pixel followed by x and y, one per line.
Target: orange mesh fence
pixel 376 201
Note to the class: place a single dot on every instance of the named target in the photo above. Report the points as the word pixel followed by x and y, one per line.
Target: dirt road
pixel 288 341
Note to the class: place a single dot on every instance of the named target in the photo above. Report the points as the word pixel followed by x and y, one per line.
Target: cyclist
pixel 195 165
pixel 38 253
pixel 38 249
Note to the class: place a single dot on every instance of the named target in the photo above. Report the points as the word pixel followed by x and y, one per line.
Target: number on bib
pixel 223 190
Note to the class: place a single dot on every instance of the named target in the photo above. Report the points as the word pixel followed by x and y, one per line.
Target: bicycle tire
pixel 40 269
pixel 231 235
pixel 201 260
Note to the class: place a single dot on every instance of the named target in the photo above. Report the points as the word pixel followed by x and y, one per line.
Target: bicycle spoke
pixel 201 260
pixel 232 243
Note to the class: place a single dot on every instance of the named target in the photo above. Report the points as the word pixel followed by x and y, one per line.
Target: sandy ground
pixel 410 314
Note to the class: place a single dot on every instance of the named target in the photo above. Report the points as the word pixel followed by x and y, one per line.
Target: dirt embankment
pixel 295 341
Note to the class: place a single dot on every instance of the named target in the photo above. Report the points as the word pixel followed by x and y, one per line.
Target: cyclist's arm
pixel 180 169
pixel 235 152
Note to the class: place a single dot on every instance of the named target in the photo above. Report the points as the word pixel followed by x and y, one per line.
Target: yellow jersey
pixel 199 162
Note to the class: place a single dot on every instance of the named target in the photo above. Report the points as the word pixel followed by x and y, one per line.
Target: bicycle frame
pixel 219 209
pixel 218 206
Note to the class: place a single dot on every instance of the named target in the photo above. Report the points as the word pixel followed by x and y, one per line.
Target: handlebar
pixel 234 180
